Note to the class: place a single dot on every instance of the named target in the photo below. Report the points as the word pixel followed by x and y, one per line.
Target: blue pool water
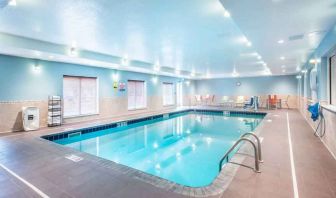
pixel 185 148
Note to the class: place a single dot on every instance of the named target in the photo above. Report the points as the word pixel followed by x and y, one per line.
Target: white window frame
pixel 164 86
pixel 332 80
pixel 97 97
pixel 144 106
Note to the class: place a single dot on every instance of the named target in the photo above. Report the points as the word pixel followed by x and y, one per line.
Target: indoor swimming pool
pixel 182 147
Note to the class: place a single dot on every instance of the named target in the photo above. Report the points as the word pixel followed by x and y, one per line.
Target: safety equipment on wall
pixel 313 83
pixel 30 118
pixel 316 112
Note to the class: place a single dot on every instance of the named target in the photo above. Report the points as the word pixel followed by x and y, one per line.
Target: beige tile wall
pixel 292 101
pixel 11 115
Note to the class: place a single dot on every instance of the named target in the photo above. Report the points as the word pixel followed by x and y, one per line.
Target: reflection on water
pixel 185 149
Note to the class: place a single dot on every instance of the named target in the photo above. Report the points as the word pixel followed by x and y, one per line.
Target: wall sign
pixel 122 86
pixel 115 85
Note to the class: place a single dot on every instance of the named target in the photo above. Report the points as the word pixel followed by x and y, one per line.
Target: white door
pixel 179 95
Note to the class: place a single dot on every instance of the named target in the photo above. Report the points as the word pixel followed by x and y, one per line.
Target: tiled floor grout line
pixel 35 189
pixel 332 154
pixel 295 187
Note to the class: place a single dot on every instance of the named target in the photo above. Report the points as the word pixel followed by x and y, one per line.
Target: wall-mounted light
pixel 72 51
pixel 154 79
pixel 314 61
pixel 125 61
pixel 115 77
pixel 157 66
pixel 37 67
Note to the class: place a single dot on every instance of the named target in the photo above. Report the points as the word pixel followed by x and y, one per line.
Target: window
pixel 136 94
pixel 80 96
pixel 332 83
pixel 168 94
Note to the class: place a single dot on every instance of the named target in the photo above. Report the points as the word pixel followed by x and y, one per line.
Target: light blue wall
pixel 19 80
pixel 249 86
pixel 322 53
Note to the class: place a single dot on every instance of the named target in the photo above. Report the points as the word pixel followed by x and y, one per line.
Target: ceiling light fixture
pixel 227 14
pixel 281 41
pixel 259 57
pixel 12 3
pixel 248 44
pixel 282 58
pixel 298 77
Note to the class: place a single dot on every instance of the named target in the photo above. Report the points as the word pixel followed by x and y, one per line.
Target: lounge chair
pixel 285 102
pixel 240 101
pixel 198 99
pixel 226 102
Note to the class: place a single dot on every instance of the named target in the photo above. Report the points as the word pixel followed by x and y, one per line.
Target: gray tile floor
pixel 43 164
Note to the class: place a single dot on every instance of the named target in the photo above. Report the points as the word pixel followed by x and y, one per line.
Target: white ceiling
pixel 189 35
pixel 265 22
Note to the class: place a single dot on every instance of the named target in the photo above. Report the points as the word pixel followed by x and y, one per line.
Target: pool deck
pixel 32 167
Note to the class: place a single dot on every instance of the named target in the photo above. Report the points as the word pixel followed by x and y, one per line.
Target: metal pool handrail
pixel 258 141
pixel 256 156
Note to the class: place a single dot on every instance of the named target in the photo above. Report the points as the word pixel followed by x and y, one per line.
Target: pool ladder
pixel 257 152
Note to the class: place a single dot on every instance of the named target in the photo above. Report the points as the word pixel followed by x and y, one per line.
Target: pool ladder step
pixel 256 148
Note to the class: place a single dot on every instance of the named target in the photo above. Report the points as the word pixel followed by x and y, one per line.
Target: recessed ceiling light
pixel 259 57
pixel 248 44
pixel 283 70
pixel 264 64
pixel 298 77
pixel 12 3
pixel 282 58
pixel 281 41
pixel 227 14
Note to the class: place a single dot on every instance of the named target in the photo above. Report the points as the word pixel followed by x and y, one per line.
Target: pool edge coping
pixel 218 185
